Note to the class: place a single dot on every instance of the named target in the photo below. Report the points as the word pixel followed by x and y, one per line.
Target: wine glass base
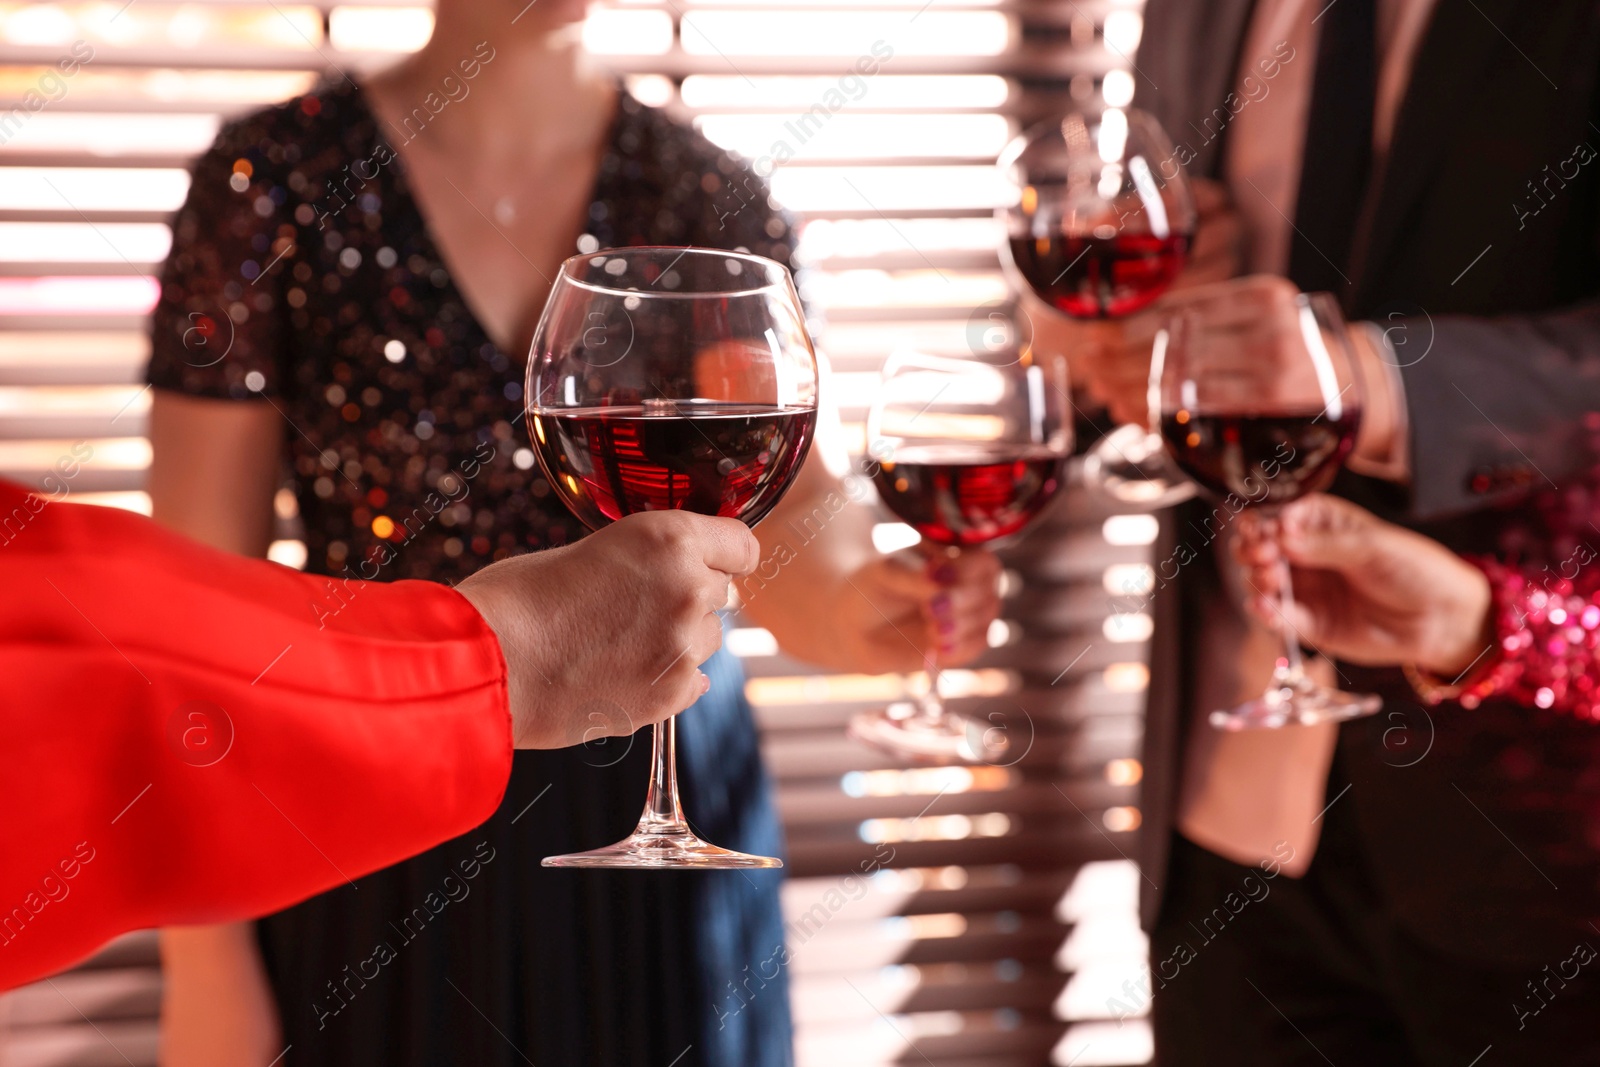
pixel 1130 465
pixel 901 731
pixel 1304 704
pixel 672 850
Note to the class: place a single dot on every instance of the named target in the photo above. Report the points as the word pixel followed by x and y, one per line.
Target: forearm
pixel 213 470
pixel 198 737
pixel 217 1004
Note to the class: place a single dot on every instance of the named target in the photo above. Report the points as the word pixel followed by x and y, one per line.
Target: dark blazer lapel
pixel 1461 41
pixel 1221 33
pixel 1187 65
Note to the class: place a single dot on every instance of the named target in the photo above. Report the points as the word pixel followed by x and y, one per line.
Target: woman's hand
pixel 607 635
pixel 898 612
pixel 1366 590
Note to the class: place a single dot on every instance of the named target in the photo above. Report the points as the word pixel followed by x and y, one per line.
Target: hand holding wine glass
pixel 968 453
pixel 667 379
pixel 1099 218
pixel 1366 591
pixel 1259 403
pixel 918 604
pixel 1109 359
pixel 589 625
pixel 1116 365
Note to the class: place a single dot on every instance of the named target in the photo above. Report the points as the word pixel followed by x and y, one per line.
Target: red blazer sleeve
pixel 190 736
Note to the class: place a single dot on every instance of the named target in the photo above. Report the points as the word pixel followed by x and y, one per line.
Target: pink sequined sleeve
pixel 1547 628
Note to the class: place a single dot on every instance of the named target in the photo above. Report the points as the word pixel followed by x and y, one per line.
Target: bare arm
pixel 214 470
pixel 212 477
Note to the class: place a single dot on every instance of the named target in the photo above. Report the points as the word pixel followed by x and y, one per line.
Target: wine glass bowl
pixel 670 378
pixel 959 495
pixel 966 452
pixel 1097 215
pixel 1259 401
pixel 1098 218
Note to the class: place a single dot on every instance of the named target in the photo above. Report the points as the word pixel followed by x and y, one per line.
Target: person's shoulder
pixel 269 165
pixel 727 197
pixel 281 135
pixel 674 139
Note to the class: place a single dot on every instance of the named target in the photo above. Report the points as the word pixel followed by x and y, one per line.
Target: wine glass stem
pixel 662 812
pixel 1293 667
pixel 931 705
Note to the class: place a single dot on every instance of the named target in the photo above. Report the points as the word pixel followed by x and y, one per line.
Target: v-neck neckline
pixel 358 96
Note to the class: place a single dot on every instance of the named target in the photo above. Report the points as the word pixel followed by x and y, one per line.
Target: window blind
pixel 954 916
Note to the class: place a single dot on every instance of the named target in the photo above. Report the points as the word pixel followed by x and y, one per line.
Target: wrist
pixel 1468 634
pixel 1380 443
pixel 500 617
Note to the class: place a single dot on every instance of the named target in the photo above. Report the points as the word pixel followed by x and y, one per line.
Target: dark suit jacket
pixel 1480 248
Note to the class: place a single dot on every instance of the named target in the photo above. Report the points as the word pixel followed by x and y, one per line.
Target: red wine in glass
pixel 968 451
pixel 1259 397
pixel 968 494
pixel 1271 457
pixel 1098 218
pixel 710 458
pixel 670 379
pixel 1099 277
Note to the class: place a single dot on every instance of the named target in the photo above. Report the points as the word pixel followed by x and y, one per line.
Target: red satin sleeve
pixel 1547 630
pixel 191 737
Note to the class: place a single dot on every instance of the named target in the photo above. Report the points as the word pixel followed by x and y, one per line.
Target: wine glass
pixel 666 378
pixel 1098 218
pixel 1260 401
pixel 966 452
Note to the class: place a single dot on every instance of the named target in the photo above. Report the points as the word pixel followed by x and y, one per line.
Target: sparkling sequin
pixel 344 314
pixel 1544 659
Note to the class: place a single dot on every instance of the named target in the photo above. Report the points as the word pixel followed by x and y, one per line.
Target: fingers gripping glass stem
pixel 971 452
pixel 1292 697
pixel 1260 403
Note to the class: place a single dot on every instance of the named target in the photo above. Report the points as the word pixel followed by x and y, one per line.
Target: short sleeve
pixel 217 327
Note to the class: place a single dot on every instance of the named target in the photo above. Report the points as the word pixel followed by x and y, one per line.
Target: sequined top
pixel 1547 638
pixel 326 296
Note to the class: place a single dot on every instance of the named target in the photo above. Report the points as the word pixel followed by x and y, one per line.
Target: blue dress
pixel 302 273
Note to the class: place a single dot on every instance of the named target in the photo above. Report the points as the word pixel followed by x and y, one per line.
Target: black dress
pixel 302 274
